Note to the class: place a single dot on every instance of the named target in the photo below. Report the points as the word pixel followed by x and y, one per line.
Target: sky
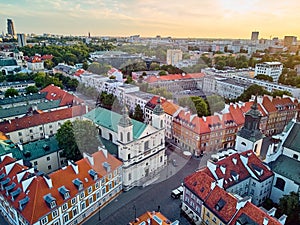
pixel 148 18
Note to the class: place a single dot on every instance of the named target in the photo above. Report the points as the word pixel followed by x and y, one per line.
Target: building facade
pixel 272 69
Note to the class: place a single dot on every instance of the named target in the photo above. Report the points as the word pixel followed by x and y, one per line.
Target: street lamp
pixel 134 208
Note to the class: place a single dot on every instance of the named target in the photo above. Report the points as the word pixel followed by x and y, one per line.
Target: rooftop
pixel 287 167
pixel 293 139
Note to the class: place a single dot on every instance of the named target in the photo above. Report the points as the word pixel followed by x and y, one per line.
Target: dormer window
pixel 219 206
pixel 23 202
pixel 65 193
pixel 78 184
pixel 93 174
pixel 14 194
pixel 50 201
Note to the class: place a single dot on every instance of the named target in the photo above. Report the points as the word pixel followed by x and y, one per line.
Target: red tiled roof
pixel 56 93
pixel 36 208
pixel 153 102
pixel 169 107
pixel 199 183
pixel 268 105
pixel 171 77
pixel 79 72
pixel 43 118
pixel 44 57
pixel 229 208
pixel 255 214
pixel 150 215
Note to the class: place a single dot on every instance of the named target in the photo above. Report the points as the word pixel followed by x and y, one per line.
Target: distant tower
pixel 254 36
pixel 125 127
pixel 21 40
pixel 10 27
pixel 89 35
pixel 158 116
pixel 250 137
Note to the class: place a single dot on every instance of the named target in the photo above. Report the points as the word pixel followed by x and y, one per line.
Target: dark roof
pixel 22 98
pixel 293 139
pixel 8 62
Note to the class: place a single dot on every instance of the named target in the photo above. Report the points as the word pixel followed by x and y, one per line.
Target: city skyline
pixel 203 19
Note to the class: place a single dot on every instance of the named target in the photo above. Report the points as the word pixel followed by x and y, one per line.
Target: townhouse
pixel 38 125
pixel 28 196
pixel 206 202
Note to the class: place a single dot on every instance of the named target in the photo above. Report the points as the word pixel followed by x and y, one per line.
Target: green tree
pixel 162 92
pixel 289 205
pixel 85 65
pixel 31 89
pixel 264 77
pixel 129 80
pixel 138 113
pixel 220 64
pixel 276 93
pixel 253 89
pixel 196 104
pixel 99 68
pixel 86 136
pixel 216 103
pixel 162 73
pixel 11 92
pixel 48 64
pixel 66 141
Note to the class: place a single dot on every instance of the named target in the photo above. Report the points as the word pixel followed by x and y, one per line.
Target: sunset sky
pixel 175 18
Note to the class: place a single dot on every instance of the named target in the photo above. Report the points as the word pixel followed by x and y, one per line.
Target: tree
pixel 216 103
pixel 253 89
pixel 161 91
pixel 31 89
pixel 98 68
pixel 48 64
pixel 86 136
pixel 289 205
pixel 11 92
pixel 85 65
pixel 264 77
pixel 276 93
pixel 138 113
pixel 66 141
pixel 195 104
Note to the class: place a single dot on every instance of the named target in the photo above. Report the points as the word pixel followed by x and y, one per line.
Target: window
pixel 20 133
pixel 161 159
pixel 121 137
pixel 56 222
pixel 73 201
pixel 75 211
pixel 49 167
pixel 55 213
pixel 41 128
pixel 97 185
pixel 65 207
pixel 129 176
pixel 98 195
pixel 82 205
pixel 66 218
pixel 90 200
pixel 44 220
pixel 146 145
pixel 90 189
pixel 128 136
pixel 82 195
pixel 280 183
pixel 103 191
pixel 48 158
pixel 30 130
pixel 35 163
pixel 207 214
pixel 295 156
pixel 128 156
pixel 52 204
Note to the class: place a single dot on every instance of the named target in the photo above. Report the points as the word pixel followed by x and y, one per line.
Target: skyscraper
pixel 10 27
pixel 254 36
pixel 21 40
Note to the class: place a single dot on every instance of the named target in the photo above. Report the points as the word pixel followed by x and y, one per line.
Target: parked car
pixel 176 193
pixel 174 162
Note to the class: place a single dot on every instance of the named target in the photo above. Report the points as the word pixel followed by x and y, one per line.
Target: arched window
pixel 100 132
pixel 122 137
pixel 280 183
pixel 243 143
pixel 110 137
pixel 161 124
pixel 255 148
pixel 128 136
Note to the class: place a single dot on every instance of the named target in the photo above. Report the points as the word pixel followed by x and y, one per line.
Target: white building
pixel 174 56
pixel 141 147
pixel 272 69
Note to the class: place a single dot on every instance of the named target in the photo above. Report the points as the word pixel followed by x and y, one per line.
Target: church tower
pixel 158 116
pixel 250 137
pixel 125 127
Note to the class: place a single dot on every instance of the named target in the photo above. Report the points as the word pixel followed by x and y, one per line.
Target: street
pixel 157 195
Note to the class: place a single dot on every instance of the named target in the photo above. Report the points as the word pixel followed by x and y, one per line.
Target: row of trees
pixel 11 92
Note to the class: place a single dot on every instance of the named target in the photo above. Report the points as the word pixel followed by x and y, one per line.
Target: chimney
pixel 212 185
pixel 74 166
pixel 282 219
pixel 266 221
pixel 89 158
pixel 104 152
pixel 223 168
pixel 48 181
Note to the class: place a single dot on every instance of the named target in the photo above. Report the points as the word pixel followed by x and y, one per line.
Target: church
pixel 141 147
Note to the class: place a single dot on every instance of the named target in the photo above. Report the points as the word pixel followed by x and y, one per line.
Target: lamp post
pixel 134 208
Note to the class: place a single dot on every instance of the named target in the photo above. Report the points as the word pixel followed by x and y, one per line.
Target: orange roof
pixel 255 214
pixel 36 208
pixel 56 93
pixel 225 201
pixel 3 136
pixel 151 216
pixel 153 102
pixel 199 183
pixel 172 77
pixel 170 107
pixel 79 72
pixel 42 118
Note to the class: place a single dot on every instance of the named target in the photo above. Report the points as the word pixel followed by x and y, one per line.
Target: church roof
pixel 109 119
pixel 293 139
